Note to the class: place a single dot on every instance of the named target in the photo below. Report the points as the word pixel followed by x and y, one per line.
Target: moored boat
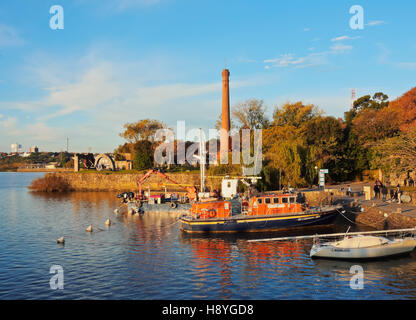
pixel 260 213
pixel 363 247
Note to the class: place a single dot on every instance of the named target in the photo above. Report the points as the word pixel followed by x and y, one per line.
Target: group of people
pixel 381 191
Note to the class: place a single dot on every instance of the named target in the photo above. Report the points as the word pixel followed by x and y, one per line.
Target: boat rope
pixel 340 212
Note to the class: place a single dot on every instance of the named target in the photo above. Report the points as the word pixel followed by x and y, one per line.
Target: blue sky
pixel 119 61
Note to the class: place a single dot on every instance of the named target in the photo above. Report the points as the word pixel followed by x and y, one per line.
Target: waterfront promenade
pixel 377 213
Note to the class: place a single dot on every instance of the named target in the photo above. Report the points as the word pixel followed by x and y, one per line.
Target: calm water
pixel 147 257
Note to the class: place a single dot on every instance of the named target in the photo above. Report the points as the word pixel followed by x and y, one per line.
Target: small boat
pixel 267 212
pixel 363 247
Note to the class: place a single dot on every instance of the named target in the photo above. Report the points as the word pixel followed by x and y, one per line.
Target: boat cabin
pixel 268 204
pixel 273 204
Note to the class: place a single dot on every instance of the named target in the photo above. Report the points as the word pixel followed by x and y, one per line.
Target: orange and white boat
pixel 259 213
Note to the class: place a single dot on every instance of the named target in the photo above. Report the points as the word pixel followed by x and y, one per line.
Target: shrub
pixel 50 183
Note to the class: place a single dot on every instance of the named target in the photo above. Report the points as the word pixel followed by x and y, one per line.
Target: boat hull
pixel 391 249
pixel 259 223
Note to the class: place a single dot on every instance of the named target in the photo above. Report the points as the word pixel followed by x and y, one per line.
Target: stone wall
pixel 94 181
pixel 380 220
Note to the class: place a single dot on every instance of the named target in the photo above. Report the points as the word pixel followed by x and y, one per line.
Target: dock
pixel 376 213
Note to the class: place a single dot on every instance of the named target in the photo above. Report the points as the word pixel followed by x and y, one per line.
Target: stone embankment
pixel 96 181
pixel 386 217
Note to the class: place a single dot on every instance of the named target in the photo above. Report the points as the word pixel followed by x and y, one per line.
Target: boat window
pixel 292 199
pixel 275 200
pixel 259 201
pixel 267 200
pixel 284 200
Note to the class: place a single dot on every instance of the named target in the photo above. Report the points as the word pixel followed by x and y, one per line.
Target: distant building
pixel 15 148
pixel 51 165
pixel 34 149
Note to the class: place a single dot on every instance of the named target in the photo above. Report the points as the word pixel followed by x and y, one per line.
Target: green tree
pixel 143 155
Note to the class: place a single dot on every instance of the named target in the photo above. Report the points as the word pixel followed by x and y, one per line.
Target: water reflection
pixel 147 257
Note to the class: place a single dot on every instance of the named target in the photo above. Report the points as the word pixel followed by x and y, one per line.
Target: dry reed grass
pixel 50 183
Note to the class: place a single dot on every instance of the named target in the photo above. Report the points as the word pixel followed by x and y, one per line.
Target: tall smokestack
pixel 225 115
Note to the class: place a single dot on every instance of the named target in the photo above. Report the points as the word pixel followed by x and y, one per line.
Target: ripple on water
pixel 147 257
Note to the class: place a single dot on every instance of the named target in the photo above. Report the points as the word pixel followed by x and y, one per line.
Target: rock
pixel 372 217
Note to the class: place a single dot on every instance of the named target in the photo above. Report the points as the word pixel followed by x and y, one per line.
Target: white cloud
pixel 314 58
pixel 104 95
pixel 306 29
pixel 9 36
pixel 340 48
pixel 285 60
pixel 341 38
pixel 375 23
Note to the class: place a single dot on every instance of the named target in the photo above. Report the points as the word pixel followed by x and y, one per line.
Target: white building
pixel 34 149
pixel 16 147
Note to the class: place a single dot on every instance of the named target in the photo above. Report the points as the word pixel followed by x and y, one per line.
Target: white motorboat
pixel 362 247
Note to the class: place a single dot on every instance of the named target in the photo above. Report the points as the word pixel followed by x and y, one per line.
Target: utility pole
pixel 67 144
pixel 202 160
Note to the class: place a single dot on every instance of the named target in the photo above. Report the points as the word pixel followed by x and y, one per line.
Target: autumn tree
pixel 250 114
pixel 323 137
pixel 371 125
pixel 399 153
pixel 141 130
pixel 294 114
pixel 284 149
pixel 405 106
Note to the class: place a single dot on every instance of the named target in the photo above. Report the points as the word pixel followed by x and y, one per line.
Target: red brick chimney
pixel 225 115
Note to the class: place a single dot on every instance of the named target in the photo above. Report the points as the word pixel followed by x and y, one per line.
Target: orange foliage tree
pixel 405 106
pixel 371 125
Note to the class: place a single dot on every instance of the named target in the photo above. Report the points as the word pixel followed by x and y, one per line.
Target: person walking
pixel 349 191
pixel 376 191
pixel 384 192
pixel 398 193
